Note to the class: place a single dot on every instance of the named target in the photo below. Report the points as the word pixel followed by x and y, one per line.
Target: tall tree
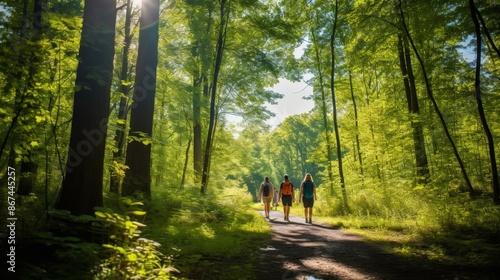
pixel 138 158
pixel 324 107
pixel 334 104
pixel 356 122
pixel 28 165
pixel 200 22
pixel 477 91
pixel 405 64
pixel 434 103
pixel 82 186
pixel 221 40
pixel 123 109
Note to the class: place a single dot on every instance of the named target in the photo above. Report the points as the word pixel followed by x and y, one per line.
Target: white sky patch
pixel 292 103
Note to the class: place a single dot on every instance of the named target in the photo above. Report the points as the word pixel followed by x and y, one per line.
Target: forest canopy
pixel 102 99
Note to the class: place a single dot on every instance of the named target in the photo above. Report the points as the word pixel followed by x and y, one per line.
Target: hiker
pixel 308 195
pixel 286 195
pixel 266 193
pixel 275 199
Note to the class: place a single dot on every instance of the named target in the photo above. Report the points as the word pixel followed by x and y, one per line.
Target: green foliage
pixel 262 38
pixel 129 255
pixel 217 235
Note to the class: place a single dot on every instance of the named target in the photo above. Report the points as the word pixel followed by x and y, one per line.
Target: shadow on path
pixel 302 251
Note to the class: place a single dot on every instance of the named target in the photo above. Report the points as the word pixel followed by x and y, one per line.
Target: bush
pixel 129 256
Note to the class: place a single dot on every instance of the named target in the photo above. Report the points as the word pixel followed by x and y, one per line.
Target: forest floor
pixel 298 250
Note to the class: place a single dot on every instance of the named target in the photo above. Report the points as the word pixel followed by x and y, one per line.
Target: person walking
pixel 308 195
pixel 266 193
pixel 287 195
pixel 275 200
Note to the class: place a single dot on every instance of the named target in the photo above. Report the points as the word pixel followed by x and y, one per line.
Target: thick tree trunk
pixel 138 159
pixel 82 186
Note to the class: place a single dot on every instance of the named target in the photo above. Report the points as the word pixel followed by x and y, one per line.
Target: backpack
pixel 286 187
pixel 308 188
pixel 266 189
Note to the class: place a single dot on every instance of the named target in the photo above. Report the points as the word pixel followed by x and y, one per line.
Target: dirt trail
pixel 302 251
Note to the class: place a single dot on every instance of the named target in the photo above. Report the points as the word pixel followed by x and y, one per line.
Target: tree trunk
pixel 356 121
pixel 484 122
pixel 114 185
pixel 138 159
pixel 324 112
pixel 436 108
pixel 334 104
pixel 186 161
pixel 28 165
pixel 211 128
pixel 405 65
pixel 197 143
pixel 82 186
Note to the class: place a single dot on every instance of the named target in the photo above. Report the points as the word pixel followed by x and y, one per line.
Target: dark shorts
pixel 286 199
pixel 308 202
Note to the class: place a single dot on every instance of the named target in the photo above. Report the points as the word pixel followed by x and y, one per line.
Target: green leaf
pixel 138 213
pixel 132 257
pixel 100 214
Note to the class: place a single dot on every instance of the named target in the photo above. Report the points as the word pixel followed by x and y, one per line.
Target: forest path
pixel 298 250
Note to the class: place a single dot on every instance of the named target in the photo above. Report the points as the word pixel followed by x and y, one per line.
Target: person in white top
pixel 266 194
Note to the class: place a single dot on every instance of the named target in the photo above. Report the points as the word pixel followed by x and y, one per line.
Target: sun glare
pixel 136 3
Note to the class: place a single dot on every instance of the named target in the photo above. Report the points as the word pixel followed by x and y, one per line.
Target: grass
pixel 218 236
pixel 212 237
pixel 464 236
pixel 435 230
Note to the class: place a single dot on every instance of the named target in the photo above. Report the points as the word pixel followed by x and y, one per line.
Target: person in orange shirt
pixel 287 195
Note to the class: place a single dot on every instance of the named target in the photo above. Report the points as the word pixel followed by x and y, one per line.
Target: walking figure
pixel 308 196
pixel 266 193
pixel 275 200
pixel 286 195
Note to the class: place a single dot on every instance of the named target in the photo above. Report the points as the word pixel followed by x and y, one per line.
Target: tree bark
pixel 334 104
pixel 29 167
pixel 211 128
pixel 436 107
pixel 82 186
pixel 197 143
pixel 114 185
pixel 324 112
pixel 356 122
pixel 421 163
pixel 138 158
pixel 484 122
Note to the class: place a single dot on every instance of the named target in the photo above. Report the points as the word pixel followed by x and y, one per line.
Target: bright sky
pixel 292 102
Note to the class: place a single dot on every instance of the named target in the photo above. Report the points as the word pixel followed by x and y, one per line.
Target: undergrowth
pixel 214 236
pixel 427 224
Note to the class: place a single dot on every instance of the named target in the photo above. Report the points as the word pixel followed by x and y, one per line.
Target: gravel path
pixel 302 251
